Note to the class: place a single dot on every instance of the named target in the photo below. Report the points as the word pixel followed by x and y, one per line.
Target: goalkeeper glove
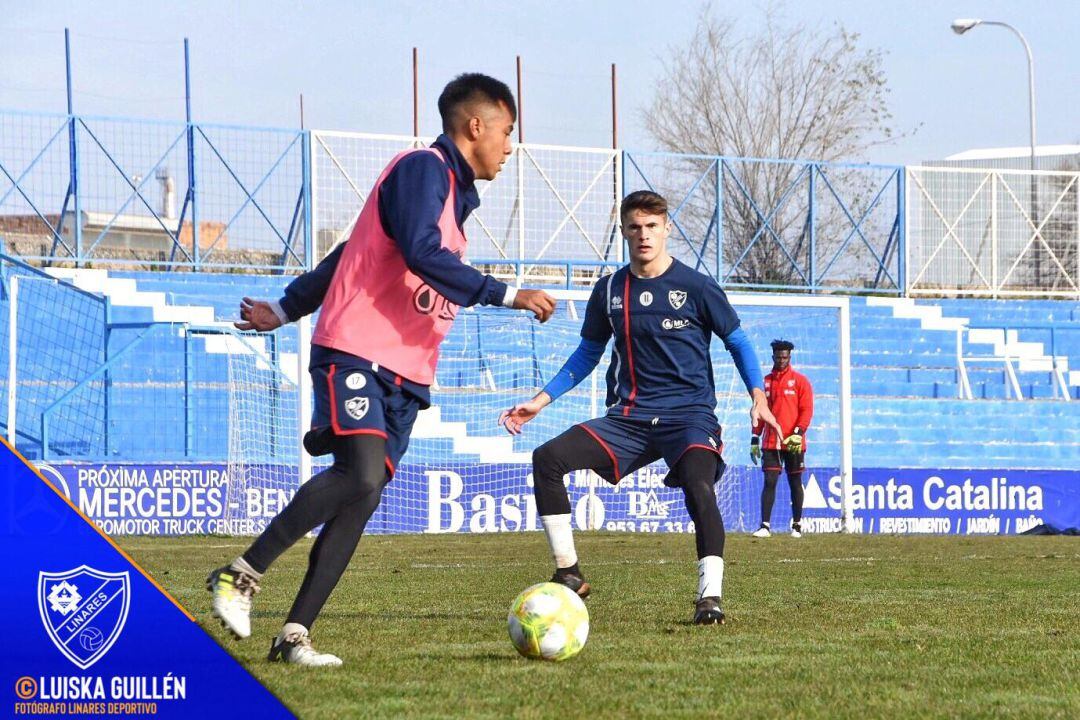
pixel 755 450
pixel 794 442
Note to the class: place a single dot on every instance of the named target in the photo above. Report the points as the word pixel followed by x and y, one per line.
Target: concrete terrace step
pixel 123 293
pixel 490 449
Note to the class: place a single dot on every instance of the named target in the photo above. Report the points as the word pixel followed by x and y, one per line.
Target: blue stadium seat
pixel 905 412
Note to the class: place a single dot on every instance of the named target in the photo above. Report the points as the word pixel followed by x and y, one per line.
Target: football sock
pixel 242 565
pixel 710 576
pixel 291 628
pixel 561 539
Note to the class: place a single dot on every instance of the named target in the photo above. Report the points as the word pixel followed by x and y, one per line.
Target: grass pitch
pixel 823 627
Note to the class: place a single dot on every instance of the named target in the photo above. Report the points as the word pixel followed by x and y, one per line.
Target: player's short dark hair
pixel 644 201
pixel 779 345
pixel 473 87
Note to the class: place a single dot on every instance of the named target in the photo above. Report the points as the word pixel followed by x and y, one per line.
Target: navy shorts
pixel 633 443
pixel 792 461
pixel 351 398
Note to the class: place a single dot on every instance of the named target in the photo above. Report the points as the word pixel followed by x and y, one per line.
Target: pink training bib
pixel 378 309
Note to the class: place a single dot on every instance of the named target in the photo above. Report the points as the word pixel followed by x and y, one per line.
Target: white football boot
pixel 762 532
pixel 232 591
pixel 796 530
pixel 295 648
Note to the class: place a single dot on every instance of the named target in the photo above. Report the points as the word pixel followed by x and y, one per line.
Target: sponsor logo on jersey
pixel 355 381
pixel 645 298
pixel 357 407
pixel 791 383
pixel 677 298
pixel 84 611
pixel 616 302
pixel 426 302
pixel 676 324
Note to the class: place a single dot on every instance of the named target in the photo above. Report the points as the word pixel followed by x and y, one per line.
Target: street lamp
pixel 962 25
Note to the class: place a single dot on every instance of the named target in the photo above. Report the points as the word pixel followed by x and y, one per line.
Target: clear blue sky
pixel 352 61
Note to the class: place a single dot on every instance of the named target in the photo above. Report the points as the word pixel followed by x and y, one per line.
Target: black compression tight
pixel 768 495
pixel 575 449
pixel 342 498
pixel 695 473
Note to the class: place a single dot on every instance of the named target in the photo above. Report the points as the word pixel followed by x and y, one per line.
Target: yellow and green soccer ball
pixel 548 621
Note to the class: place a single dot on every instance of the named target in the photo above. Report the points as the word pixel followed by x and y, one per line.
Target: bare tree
pixel 785 92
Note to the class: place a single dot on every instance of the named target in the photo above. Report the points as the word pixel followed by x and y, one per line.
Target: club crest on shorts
pixel 84 611
pixel 355 381
pixel 677 298
pixel 357 407
pixel 645 298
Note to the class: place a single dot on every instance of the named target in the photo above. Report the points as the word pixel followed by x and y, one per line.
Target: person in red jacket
pixel 791 400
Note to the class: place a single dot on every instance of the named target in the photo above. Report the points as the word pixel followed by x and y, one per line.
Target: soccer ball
pixel 548 621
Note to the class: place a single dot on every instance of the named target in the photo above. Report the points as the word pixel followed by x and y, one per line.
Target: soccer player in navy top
pixel 661 397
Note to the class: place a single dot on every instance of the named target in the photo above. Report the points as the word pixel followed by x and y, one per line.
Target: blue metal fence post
pixel 901 228
pixel 189 414
pixel 191 159
pixel 305 178
pixel 73 156
pixel 811 221
pixel 719 219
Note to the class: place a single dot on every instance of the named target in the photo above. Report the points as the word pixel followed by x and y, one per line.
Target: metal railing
pixel 115 192
pixel 781 224
pixel 162 195
pixel 1009 353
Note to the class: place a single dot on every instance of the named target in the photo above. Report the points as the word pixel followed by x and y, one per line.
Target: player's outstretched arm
pixel 303 296
pixel 760 412
pixel 516 417
pixel 257 315
pixel 538 302
pixel 576 368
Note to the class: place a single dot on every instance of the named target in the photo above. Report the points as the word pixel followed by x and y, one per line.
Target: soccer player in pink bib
pixel 389 296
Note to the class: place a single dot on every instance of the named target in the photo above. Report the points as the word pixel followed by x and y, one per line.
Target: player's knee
pixel 362 461
pixel 770 480
pixel 548 460
pixel 700 489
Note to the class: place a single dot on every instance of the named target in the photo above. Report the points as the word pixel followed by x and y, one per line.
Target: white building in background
pixel 1047 157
